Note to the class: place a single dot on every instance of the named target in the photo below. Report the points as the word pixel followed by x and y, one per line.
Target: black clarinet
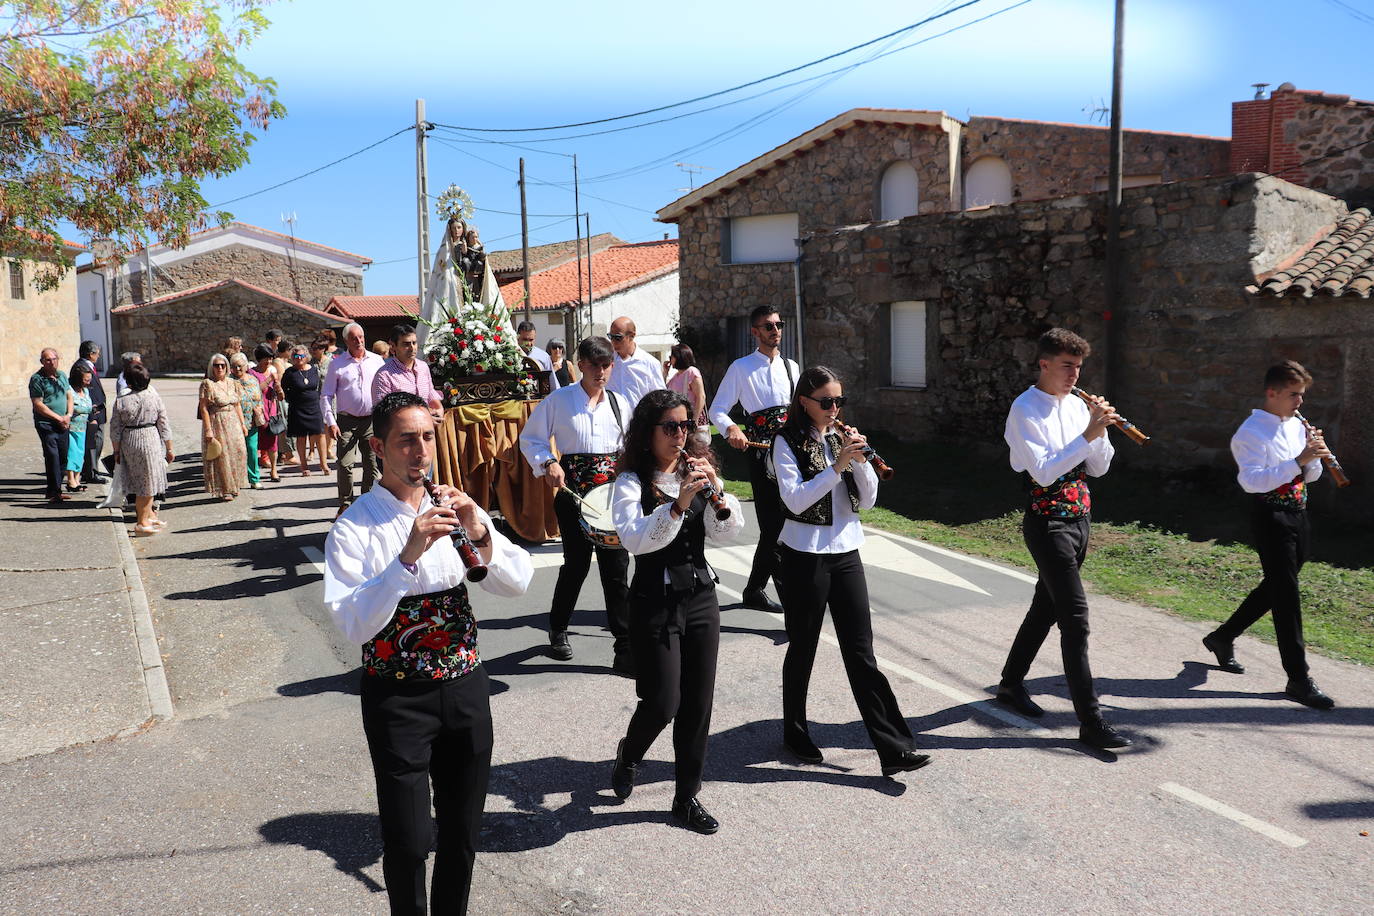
pixel 717 501
pixel 476 569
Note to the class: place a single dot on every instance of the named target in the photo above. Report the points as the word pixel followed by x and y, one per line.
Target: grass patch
pixel 1176 543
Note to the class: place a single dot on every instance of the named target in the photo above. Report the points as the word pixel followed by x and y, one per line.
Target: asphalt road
pixel 257 797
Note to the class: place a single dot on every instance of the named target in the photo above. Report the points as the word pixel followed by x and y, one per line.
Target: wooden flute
pixel 1332 465
pixel 1126 426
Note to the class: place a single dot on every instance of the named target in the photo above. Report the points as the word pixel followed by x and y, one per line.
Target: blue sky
pixel 349 73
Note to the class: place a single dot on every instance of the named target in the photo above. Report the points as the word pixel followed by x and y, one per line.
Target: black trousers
pixel 53 439
pixel 95 445
pixel 768 508
pixel 1058 546
pixel 812 581
pixel 676 680
pixel 418 731
pixel 1281 538
pixel 614 566
pixel 353 434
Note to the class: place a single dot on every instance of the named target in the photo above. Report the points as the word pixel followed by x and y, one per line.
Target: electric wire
pixel 327 165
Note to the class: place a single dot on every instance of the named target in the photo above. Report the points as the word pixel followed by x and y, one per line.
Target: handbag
pixel 259 419
pixel 213 450
pixel 277 425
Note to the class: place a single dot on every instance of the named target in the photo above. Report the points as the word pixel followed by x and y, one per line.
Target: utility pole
pixel 591 298
pixel 577 229
pixel 524 239
pixel 1112 313
pixel 421 200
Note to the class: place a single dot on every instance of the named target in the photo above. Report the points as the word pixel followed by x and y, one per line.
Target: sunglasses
pixel 827 403
pixel 771 325
pixel 618 336
pixel 673 427
pixel 300 355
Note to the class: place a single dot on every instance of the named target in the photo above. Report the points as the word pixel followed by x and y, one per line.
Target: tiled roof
pixel 1339 263
pixel 356 307
pixel 220 284
pixel 542 257
pixel 359 260
pixel 614 270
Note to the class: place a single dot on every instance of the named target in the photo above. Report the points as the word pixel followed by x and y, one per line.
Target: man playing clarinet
pixel 1057 440
pixel 586 422
pixel 1277 458
pixel 394 584
pixel 762 383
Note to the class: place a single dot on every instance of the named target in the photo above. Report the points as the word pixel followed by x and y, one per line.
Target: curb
pixel 154 674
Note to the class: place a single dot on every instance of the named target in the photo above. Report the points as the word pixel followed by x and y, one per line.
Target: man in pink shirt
pixel 403 372
pixel 349 383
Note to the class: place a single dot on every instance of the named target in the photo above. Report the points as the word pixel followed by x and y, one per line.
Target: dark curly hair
pixel 638 454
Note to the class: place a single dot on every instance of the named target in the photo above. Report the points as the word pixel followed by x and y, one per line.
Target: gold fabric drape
pixel 478 451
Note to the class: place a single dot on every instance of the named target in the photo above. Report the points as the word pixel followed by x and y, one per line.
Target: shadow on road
pixel 351 839
pixel 349 683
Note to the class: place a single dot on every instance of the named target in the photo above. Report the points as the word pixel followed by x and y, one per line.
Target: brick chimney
pixel 1258 135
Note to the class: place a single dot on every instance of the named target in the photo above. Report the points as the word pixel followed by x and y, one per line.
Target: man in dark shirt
pixel 95 427
pixel 51 395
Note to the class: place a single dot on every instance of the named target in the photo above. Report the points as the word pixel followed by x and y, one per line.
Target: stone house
pixel 178 306
pixel 31 319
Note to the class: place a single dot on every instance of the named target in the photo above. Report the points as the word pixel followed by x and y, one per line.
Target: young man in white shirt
pixel 762 383
pixel 636 372
pixel 394 584
pixel 586 422
pixel 1058 440
pixel 1276 459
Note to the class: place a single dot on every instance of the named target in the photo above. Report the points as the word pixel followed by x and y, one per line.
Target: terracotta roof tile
pixel 543 257
pixel 356 307
pixel 210 287
pixel 1339 263
pixel 614 269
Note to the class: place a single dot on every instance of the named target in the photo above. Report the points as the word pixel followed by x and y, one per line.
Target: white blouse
pixel 1045 435
pixel 566 417
pixel 640 533
pixel 845 531
pixel 1266 450
pixel 363 575
pixel 754 382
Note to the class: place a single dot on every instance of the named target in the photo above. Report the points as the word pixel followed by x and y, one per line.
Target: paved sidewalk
pixel 74 625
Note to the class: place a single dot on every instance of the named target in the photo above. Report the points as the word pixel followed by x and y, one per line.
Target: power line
pixel 717 94
pixel 313 171
pixel 1353 11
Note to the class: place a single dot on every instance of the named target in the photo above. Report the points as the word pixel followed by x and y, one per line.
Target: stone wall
pixel 304 282
pixel 181 336
pixel 1193 343
pixel 27 325
pixel 1058 160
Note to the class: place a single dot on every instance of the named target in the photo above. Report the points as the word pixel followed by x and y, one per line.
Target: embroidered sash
pixel 588 469
pixel 1066 497
pixel 431 636
pixel 1291 496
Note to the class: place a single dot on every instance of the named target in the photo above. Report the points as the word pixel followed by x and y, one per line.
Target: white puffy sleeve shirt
pixel 754 382
pixel 641 533
pixel 1266 449
pixel 1045 435
pixel 845 531
pixel 364 579
pixel 567 418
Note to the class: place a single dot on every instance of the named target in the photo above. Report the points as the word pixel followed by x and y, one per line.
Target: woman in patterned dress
pixel 222 421
pixel 80 379
pixel 142 446
pixel 250 404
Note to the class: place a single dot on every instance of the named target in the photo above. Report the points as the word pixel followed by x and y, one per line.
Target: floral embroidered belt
pixel 586 470
pixel 763 425
pixel 1066 497
pixel 430 637
pixel 1291 496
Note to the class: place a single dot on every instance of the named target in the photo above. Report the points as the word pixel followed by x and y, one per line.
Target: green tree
pixel 112 112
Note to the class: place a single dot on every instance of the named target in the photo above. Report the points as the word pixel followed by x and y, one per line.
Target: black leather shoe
pixel 693 816
pixel 758 599
pixel 558 646
pixel 623 773
pixel 1308 693
pixel 1102 736
pixel 1225 653
pixel 624 664
pixel 803 748
pixel 1018 699
pixel 910 760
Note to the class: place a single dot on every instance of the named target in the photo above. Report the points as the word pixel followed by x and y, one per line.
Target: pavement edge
pixel 154 674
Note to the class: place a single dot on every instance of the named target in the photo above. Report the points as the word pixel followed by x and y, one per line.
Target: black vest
pixel 811 461
pixel 684 559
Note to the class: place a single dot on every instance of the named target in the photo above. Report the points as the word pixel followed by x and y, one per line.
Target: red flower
pixel 480 368
pixel 462 345
pixel 435 639
pixel 479 337
pixel 402 619
pixel 433 357
pixel 496 337
pixel 760 421
pixel 452 358
pixel 371 670
pixel 460 332
pixel 599 478
pixel 426 604
pixel 453 322
pixel 384 649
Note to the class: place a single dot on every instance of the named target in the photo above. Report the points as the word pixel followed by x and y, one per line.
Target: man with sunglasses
pixel 762 383
pixel 587 423
pixel 636 372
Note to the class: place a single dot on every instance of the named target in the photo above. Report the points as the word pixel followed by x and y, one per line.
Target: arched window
pixel 987 182
pixel 898 195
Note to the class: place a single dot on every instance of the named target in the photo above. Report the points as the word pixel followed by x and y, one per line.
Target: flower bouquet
pixel 473 355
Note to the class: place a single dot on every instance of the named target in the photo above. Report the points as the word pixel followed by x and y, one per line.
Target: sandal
pixel 141 531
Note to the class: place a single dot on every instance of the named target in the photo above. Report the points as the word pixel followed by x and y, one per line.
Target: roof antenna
pixel 691 171
pixel 1259 89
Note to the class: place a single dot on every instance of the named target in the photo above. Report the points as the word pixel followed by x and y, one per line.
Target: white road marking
pixel 315 557
pixel 881 551
pixel 1240 817
pixel 953 555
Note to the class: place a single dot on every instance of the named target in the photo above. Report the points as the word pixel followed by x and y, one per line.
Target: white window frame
pixel 769 238
pixel 898 199
pixel 976 186
pixel 907 324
